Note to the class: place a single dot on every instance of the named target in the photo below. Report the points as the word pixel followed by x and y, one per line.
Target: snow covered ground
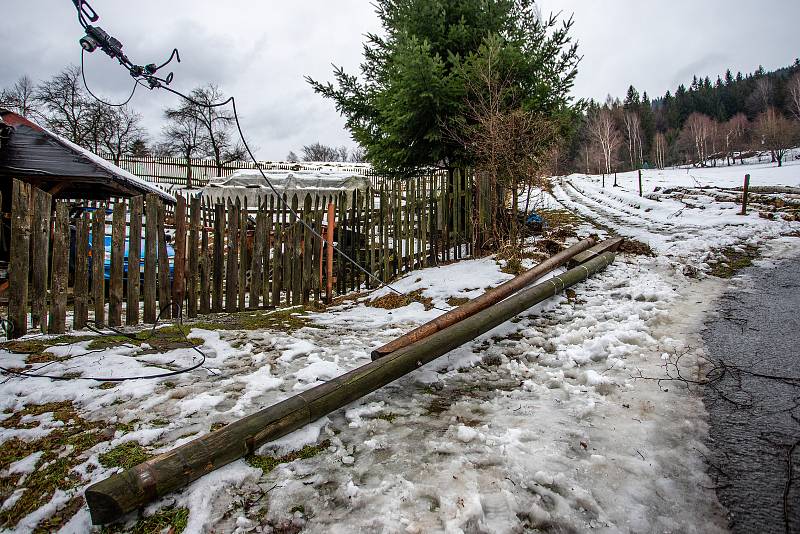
pixel 550 422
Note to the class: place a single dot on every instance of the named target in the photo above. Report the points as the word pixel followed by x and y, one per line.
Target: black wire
pixel 156 82
pixel 34 374
pixel 86 85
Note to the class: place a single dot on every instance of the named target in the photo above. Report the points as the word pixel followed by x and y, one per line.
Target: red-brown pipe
pixel 484 301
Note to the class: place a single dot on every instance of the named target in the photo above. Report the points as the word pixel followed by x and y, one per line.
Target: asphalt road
pixel 754 414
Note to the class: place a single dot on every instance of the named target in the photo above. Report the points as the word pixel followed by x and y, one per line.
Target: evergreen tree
pixel 412 90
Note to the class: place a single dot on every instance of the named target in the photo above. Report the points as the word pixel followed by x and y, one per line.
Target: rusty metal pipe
pixel 489 298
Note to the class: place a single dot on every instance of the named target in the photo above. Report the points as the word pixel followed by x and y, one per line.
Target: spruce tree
pixel 412 88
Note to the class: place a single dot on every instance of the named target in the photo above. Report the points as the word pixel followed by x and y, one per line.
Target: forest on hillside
pixel 706 123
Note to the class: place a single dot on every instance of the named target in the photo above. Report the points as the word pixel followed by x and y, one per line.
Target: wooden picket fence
pixel 198 171
pixel 227 257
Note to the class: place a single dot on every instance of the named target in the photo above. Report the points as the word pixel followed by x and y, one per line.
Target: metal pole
pixel 124 492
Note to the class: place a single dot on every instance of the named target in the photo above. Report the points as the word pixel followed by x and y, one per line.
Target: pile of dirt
pixel 637 248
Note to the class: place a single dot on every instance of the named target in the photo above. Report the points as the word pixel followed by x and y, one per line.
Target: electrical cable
pixel 36 374
pixel 148 73
pixel 86 85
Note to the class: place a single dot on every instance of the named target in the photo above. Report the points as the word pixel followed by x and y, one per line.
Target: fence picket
pixel 134 261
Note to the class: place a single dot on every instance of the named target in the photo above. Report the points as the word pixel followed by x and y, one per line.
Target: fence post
pixel 179 268
pixel 640 182
pixel 134 261
pixel 331 227
pixel 164 293
pixel 117 255
pixel 39 260
pixel 20 256
pixel 150 257
pixel 98 264
pixel 81 291
pixel 745 193
pixel 60 270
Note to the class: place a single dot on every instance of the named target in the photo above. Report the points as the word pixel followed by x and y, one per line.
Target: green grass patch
pixel 286 320
pixel 457 301
pixel 35 346
pixel 268 463
pixel 61 451
pixel 389 417
pixel 172 520
pixel 161 339
pixel 734 261
pixel 125 455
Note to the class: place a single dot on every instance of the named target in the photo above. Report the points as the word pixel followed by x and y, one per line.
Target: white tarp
pixel 251 185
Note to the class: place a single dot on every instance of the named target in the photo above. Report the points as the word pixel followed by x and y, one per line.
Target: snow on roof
pixel 112 169
pixel 114 172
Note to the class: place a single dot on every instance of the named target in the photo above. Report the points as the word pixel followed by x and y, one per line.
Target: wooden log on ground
pixel 484 301
pixel 609 245
pixel 124 492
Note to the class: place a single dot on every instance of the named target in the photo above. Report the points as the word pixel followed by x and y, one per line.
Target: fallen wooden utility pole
pixel 124 492
pixel 484 301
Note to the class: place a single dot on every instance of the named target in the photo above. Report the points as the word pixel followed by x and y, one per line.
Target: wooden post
pixel 134 261
pixel 58 310
pixel 98 264
pixel 179 268
pixel 205 273
pixel 232 272
pixel 243 262
pixel 331 227
pixel 150 258
pixel 81 291
pixel 604 180
pixel 219 256
pixel 117 265
pixel 21 212
pixel 745 194
pixel 194 258
pixel 256 271
pixel 39 259
pixel 296 260
pixel 277 258
pixel 306 248
pixel 164 292
pixel 640 183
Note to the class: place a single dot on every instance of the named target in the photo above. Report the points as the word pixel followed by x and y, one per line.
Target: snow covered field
pixel 551 421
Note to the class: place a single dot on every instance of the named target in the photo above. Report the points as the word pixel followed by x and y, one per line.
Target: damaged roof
pixel 50 162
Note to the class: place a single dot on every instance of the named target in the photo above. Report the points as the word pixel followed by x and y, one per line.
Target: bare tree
pixel 292 157
pixel 633 135
pixel 699 130
pixel 735 131
pixel 660 150
pixel 185 136
pixel 604 132
pixel 319 152
pixel 20 97
pixel 509 145
pixel 64 104
pixel 776 133
pixel 218 123
pixel 794 96
pixel 358 155
pixel 120 130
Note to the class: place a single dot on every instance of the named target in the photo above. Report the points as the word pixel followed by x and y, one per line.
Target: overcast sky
pixel 260 51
